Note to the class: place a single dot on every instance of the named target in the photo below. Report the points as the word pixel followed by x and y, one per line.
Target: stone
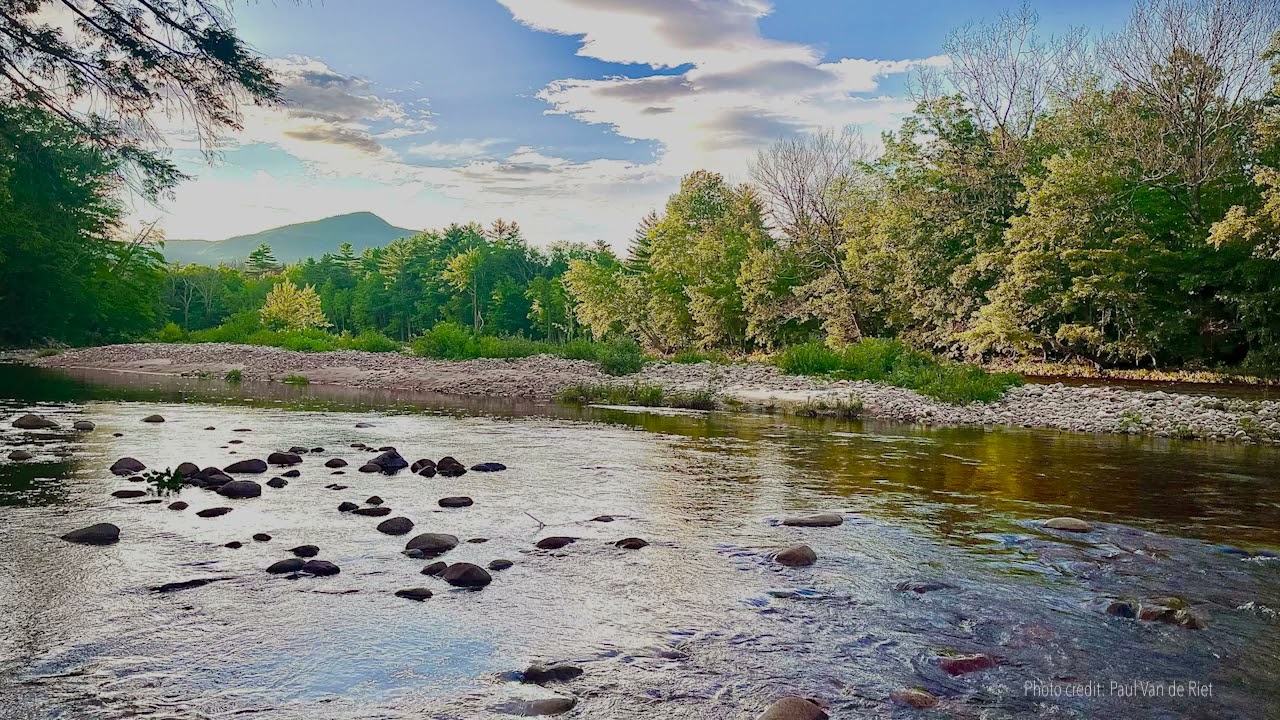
pixel 1068 524
pixel 432 544
pixel 335 463
pixel 548 706
pixel 793 708
pixel 500 564
pixel 179 506
pixel 417 594
pixel 83 425
pixel 395 526
pixel 921 586
pixel 320 567
pixel 347 506
pixel 153 419
pixel 125 494
pixel 631 543
pixel 477 540
pixel 364 425
pixel 337 487
pixel 234 545
pixel 211 428
pixel 796 556
pixel 297 450
pixel 34 422
pixel 152 501
pixel 372 511
pixel 235 442
pixel 449 467
pixel 465 574
pixel 184 585
pixel 602 518
pixel 964 664
pixel 20 455
pixel 127 466
pixel 455 502
pixel 390 461
pixel 240 489
pixel 918 699
pixel 420 464
pixel 1122 608
pixel 373 500
pixel 284 458
pixel 292 565
pixel 187 469
pixel 277 482
pixel 555 542
pixel 305 551
pixel 261 537
pixel 291 473
pixel 428 470
pixel 543 674
pixel 213 512
pixel 370 468
pixel 414 554
pixel 489 467
pixel 434 568
pixel 100 534
pixel 815 520
pixel 338 472
pixel 253 466
pixel 242 430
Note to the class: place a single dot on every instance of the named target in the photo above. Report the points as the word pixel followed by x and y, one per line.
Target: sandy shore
pixel 751 386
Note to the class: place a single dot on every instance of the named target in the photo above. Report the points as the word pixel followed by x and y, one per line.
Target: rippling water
pixel 700 624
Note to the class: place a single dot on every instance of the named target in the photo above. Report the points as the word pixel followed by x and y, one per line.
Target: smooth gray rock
pixel 395 526
pixel 292 565
pixel 253 465
pixel 34 422
pixel 240 489
pixel 100 534
pixel 432 544
pixel 796 556
pixel 467 575
pixel 825 519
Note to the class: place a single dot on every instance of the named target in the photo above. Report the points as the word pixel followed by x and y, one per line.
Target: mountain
pixel 291 242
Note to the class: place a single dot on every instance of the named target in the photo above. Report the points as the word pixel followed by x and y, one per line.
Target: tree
pixel 463 272
pixel 126 60
pixel 261 261
pixel 289 307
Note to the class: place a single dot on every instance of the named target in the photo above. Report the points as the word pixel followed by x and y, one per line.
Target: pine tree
pixel 261 260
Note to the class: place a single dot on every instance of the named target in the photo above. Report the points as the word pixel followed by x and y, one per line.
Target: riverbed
pixel 942 553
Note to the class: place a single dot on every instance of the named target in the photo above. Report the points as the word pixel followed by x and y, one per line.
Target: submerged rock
pixel 372 511
pixel 793 708
pixel 1069 524
pixel 489 467
pixel 432 544
pixel 153 419
pixel 292 565
pixel 465 574
pixel 543 674
pixel 455 502
pixel 253 466
pixel 261 537
pixel 240 489
pixel 602 518
pixel 921 586
pixel 370 468
pixel 185 585
pixel 20 455
pixel 234 545
pixel 364 425
pixel 541 706
pixel 964 664
pixel 554 542
pixel 34 422
pixel 815 520
pixel 320 567
pixel 631 543
pixel 417 594
pixel 395 526
pixel 213 512
pixel 796 556
pixel 126 494
pixel 83 425
pixel 100 534
pixel 127 466
pixel 918 699
pixel 1122 608
pixel 500 564
pixel 284 458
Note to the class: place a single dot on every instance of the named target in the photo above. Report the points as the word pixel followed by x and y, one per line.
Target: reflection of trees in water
pixel 33 484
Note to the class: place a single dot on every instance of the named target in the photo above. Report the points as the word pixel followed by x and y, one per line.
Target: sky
pixel 571 117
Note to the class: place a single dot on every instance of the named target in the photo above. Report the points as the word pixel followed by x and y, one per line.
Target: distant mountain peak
pixel 291 243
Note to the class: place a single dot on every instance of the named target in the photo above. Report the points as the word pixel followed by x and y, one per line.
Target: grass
pixel 637 394
pixel 245 329
pixel 451 341
pixel 892 362
pixel 693 357
pixel 232 376
pixel 843 408
pixel 295 380
pixel 48 352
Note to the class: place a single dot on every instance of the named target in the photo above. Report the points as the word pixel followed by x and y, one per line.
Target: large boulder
pixel 796 556
pixel 240 489
pixel 252 465
pixel 432 544
pixel 127 466
pixel 449 467
pixel 284 458
pixel 467 575
pixel 395 526
pixel 793 708
pixel 292 565
pixel 390 461
pixel 100 534
pixel 83 425
pixel 815 520
pixel 34 422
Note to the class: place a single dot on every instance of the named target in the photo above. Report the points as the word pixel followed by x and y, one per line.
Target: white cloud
pixel 457 150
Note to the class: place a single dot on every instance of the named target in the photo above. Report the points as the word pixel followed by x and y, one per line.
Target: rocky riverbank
pixel 748 386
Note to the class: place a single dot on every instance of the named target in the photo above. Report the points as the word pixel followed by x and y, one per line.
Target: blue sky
pixel 572 117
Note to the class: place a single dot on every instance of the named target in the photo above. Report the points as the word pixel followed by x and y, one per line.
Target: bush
pixel 620 357
pixel 171 333
pixel 295 380
pixel 48 352
pixel 371 341
pixel 446 341
pixel 892 362
pixel 232 376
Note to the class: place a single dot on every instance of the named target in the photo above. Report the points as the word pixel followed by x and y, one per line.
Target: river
pixel 701 623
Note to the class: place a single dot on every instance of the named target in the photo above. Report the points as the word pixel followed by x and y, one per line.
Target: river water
pixel 699 624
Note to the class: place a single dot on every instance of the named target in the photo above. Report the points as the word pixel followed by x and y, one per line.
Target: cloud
pixel 456 150
pixel 337 136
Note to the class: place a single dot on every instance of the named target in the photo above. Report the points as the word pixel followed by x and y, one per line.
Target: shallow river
pixel 699 624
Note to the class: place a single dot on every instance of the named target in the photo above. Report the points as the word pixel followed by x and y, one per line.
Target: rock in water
pixel 500 564
pixel 489 467
pixel 20 455
pixel 373 500
pixel 364 425
pixel 815 520
pixel 253 465
pixel 127 466
pixel 395 526
pixel 284 458
pixel 187 469
pixel 320 567
pixel 796 556
pixel 964 664
pixel 305 551
pixel 631 543
pixel 291 473
pixel 214 512
pixel 372 511
pixel 277 482
pixel 234 545
pixel 126 494
pixel 179 506
pixel 543 674
pixel 794 708
pixel 420 464
pixel 240 489
pixel 262 537
pixel 1069 524
pixel 918 699
pixel 34 422
pixel 83 425
pixel 434 568
pixel 449 467
pixel 390 461
pixel 602 518
pixel 417 594
pixel 335 463
pixel 292 565
pixel 467 575
pixel 455 502
pixel 100 534
pixel 555 543
pixel 347 506
pixel 153 419
pixel 432 544
pixel 370 468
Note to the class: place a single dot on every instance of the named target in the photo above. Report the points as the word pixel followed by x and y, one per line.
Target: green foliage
pixel 293 379
pixel 371 341
pixel 233 376
pixel 637 394
pixel 893 362
pixel 693 357
pixel 621 356
pixel 446 341
pixel 163 482
pixel 48 352
pixel 451 341
pixel 842 408
pixel 171 333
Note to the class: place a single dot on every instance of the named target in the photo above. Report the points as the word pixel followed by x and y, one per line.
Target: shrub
pixel 622 356
pixel 232 376
pixel 579 350
pixel 446 341
pixel 48 352
pixel 808 359
pixel 295 380
pixel 637 394
pixel 171 333
pixel 371 341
